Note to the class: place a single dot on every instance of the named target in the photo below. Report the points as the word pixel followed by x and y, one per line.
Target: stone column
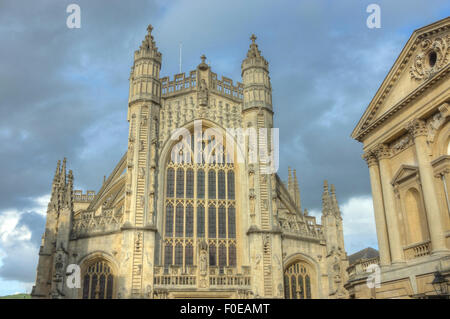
pixel 419 131
pixel 378 207
pixel 383 154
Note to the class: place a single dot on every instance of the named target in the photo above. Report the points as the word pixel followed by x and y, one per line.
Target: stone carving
pixel 433 124
pixel 383 151
pixel 401 144
pixel 432 57
pixel 202 95
pixel 203 258
pixel 417 127
pixel 141 172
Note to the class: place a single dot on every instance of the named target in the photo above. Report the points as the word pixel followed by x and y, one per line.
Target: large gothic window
pixel 200 204
pixel 98 281
pixel 297 281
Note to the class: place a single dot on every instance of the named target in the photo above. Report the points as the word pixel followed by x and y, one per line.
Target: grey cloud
pixel 19 262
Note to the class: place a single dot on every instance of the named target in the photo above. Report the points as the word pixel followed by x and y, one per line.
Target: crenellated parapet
pixel 183 83
pixel 87 197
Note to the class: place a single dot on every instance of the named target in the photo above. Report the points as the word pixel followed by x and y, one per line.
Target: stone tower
pixel 336 256
pixel 144 106
pixel 53 254
pixel 257 114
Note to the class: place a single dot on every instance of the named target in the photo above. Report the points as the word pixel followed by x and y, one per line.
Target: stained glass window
pixel 200 221
pixel 293 287
pixel 189 220
pixel 168 254
pixel 170 182
pixel 200 184
pixel 222 222
pixel 212 255
pixel 179 254
pixel 221 184
pixel 230 182
pixel 189 183
pixel 231 222
pixel 232 255
pixel 180 183
pixel 199 205
pixel 189 254
pixel 211 184
pixel 222 255
pixel 169 220
pixel 179 219
pixel 308 287
pixel 98 281
pixel 212 222
pixel 297 281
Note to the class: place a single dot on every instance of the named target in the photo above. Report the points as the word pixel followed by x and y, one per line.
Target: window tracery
pixel 200 204
pixel 98 281
pixel 297 281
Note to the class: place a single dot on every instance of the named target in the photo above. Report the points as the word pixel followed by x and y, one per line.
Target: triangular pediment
pixel 425 58
pixel 404 172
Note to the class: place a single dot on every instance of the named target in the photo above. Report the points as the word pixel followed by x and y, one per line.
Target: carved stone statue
pixel 202 95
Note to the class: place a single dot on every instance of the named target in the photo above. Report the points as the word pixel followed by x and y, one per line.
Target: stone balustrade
pixel 417 250
pixel 175 277
pixel 360 268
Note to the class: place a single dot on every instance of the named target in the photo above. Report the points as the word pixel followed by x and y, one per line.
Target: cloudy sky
pixel 63 93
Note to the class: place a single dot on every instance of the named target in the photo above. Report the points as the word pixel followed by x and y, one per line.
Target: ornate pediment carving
pixel 404 173
pixel 433 55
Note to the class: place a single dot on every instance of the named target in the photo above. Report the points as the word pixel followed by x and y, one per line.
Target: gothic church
pixel 168 223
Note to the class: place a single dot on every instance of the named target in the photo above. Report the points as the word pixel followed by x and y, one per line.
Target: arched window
pixel 98 281
pixel 200 203
pixel 297 281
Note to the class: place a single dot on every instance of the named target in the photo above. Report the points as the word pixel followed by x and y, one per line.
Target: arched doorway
pixel 98 280
pixel 298 281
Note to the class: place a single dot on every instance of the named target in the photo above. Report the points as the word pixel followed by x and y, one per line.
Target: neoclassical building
pixel 194 208
pixel 405 133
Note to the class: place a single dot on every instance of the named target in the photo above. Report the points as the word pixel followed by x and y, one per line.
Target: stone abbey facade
pixel 191 210
pixel 406 136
